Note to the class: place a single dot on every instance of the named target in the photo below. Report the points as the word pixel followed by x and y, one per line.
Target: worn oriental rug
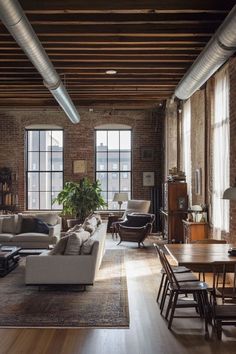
pixel 103 305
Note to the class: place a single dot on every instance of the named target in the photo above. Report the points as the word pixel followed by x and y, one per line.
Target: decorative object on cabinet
pixel 175 175
pixel 194 231
pixel 174 210
pixel 7 195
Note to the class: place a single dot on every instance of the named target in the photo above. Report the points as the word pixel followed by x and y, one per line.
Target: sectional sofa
pixel 14 230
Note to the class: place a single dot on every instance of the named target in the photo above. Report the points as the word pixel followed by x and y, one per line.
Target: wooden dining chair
pixel 176 288
pixel 223 299
pixel 164 280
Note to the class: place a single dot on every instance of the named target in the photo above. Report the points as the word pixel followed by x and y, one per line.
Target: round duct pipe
pixel 18 25
pixel 221 46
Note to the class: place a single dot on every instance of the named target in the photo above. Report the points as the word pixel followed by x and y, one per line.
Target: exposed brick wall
pixel 232 109
pixel 79 142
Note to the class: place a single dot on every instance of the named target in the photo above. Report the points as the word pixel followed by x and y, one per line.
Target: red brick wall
pixel 79 142
pixel 232 107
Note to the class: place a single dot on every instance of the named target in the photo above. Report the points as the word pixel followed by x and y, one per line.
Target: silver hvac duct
pixel 18 25
pixel 221 46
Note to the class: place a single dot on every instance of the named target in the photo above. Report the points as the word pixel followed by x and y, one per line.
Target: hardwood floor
pixel 148 333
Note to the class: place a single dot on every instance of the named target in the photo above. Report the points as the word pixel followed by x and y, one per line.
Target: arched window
pixel 44 166
pixel 113 162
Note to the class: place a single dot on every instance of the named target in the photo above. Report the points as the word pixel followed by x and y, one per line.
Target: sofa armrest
pixel 61 269
pixel 55 230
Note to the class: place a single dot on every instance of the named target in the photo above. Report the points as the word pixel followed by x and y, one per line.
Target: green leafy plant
pixel 79 199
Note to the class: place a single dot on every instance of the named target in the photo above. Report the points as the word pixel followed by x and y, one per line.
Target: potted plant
pixel 79 199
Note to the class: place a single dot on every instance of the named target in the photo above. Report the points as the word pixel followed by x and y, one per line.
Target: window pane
pixel 45 181
pixel 33 181
pixel 33 161
pixel 40 190
pixel 45 140
pixel 113 182
pixel 45 161
pixel 125 181
pixel 101 140
pixel 33 200
pixel 111 204
pixel 33 140
pixel 113 140
pixel 102 177
pixel 55 205
pixel 101 161
pixel 125 161
pixel 125 140
pixel 45 200
pixel 57 181
pixel 57 161
pixel 57 140
pixel 113 161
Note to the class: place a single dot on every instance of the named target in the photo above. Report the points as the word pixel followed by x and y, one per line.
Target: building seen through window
pixel 113 163
pixel 44 168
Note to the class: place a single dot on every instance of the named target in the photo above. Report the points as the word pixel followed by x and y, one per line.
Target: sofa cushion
pixel 27 224
pixel 5 237
pixel 87 246
pixel 60 246
pixel 41 227
pixel 76 228
pixel 19 218
pixel 75 241
pixel 30 237
pixel 8 224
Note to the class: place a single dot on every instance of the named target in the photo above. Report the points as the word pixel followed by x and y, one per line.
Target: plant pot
pixel 73 222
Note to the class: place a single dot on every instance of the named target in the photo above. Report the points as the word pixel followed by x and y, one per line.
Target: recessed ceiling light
pixel 111 72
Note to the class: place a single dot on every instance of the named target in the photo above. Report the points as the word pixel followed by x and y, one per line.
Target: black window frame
pixel 27 171
pixel 119 171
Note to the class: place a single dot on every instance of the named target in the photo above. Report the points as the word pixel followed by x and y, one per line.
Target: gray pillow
pixel 60 246
pixel 8 224
pixel 90 228
pixel 87 246
pixel 75 241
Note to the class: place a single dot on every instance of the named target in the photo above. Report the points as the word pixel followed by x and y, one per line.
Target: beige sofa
pixel 67 269
pixel 11 235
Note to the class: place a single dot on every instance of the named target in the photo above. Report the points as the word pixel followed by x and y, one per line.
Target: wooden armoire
pixel 174 210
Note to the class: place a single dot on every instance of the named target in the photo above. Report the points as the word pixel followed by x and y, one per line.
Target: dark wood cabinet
pixel 195 231
pixel 174 210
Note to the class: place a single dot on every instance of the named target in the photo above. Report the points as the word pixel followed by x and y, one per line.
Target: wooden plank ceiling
pixel 150 44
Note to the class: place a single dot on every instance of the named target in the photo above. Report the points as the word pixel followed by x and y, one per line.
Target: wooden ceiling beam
pixel 164 54
pixel 123 18
pixel 117 40
pixel 127 6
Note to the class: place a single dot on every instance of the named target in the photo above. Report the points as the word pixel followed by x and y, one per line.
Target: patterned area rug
pixel 103 305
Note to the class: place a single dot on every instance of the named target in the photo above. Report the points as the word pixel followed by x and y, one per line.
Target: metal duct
pixel 221 46
pixel 18 25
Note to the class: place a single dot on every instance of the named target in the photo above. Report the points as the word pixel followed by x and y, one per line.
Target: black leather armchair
pixel 135 228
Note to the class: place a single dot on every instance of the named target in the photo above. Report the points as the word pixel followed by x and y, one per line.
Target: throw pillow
pixel 8 224
pixel 27 224
pixel 90 228
pixel 76 228
pixel 60 246
pixel 75 241
pixel 41 227
pixel 87 246
pixel 98 218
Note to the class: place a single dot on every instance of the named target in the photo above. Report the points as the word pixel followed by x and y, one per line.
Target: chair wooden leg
pixel 169 305
pixel 173 309
pixel 164 294
pixel 219 329
pixel 160 286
